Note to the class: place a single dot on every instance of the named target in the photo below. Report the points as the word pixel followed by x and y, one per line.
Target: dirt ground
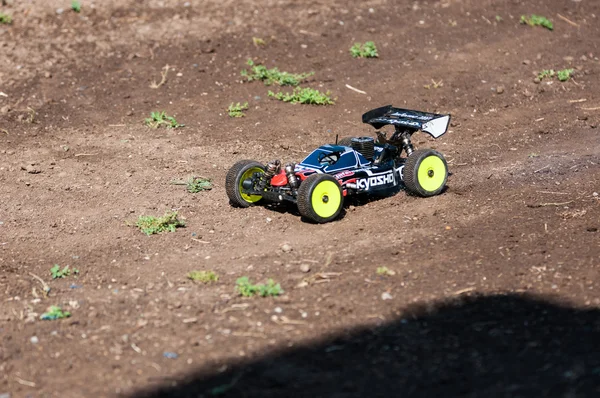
pixel 496 285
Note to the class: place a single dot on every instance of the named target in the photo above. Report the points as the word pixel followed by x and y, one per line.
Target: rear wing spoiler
pixel 431 123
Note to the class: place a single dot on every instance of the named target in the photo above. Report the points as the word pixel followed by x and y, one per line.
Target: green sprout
pixel 546 73
pixel 5 19
pixel 153 225
pixel 57 273
pixel 245 288
pixel 158 119
pixel 561 75
pixel 76 6
pixel 54 312
pixel 236 110
pixel 385 271
pixel 203 276
pixel 537 20
pixel 304 96
pixel 367 50
pixel 564 75
pixel 270 76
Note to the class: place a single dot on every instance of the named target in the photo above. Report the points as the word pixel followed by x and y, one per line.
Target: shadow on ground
pixel 485 346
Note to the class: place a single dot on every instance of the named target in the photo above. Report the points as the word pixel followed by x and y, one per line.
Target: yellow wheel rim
pixel 432 173
pixel 247 174
pixel 326 199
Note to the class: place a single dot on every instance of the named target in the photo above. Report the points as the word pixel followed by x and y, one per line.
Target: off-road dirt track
pixel 496 289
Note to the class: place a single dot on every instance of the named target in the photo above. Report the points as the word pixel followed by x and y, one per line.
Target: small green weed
pixel 546 73
pixel 537 20
pixel 236 110
pixel 258 42
pixel 195 184
pixel 304 96
pixel 564 75
pixel 203 276
pixel 153 225
pixel 76 6
pixel 533 155
pixel 561 75
pixel 245 288
pixel 499 18
pixel 158 119
pixel 198 184
pixel 58 273
pixel 5 19
pixel 270 76
pixel 385 271
pixel 54 312
pixel 367 50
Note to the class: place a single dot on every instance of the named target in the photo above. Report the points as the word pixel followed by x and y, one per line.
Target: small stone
pixel 32 169
pixel 47 75
pixel 499 89
pixel 278 310
pixel 568 59
pixel 526 62
pixel 305 268
pixel 286 248
pixel 583 58
pixel 5 109
pixel 190 320
pixel 170 355
pixel 595 194
pixel 386 296
pixel 60 11
pixel 537 80
pixel 269 219
pixel 34 340
pixel 129 113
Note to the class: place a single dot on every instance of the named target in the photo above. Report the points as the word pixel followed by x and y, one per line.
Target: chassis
pixel 354 165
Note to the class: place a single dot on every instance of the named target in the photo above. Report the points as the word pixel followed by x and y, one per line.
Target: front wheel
pixel 242 171
pixel 425 173
pixel 320 198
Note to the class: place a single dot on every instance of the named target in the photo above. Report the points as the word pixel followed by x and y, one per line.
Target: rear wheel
pixel 425 173
pixel 320 198
pixel 237 174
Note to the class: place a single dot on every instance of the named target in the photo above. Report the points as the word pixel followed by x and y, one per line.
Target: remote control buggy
pixel 352 166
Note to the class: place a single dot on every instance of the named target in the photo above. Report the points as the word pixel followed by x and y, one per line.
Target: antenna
pixel 336 139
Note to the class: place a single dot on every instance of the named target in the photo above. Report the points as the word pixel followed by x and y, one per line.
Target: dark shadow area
pixel 486 346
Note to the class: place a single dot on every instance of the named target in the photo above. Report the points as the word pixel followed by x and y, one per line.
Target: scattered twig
pixel 234 307
pixel 2 94
pixel 25 382
pixel 284 320
pixel 136 348
pixel 305 32
pixel 4 131
pixel 163 79
pixel 577 100
pixel 355 89
pixel 550 204
pixel 543 168
pixel 567 20
pixel 45 286
pixel 84 154
pixel 591 109
pixel 465 290
pixel 540 119
pixel 200 241
pixel 117 125
pixel 554 193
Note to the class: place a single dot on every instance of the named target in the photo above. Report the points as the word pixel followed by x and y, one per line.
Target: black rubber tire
pixel 234 180
pixel 411 173
pixel 346 141
pixel 305 194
